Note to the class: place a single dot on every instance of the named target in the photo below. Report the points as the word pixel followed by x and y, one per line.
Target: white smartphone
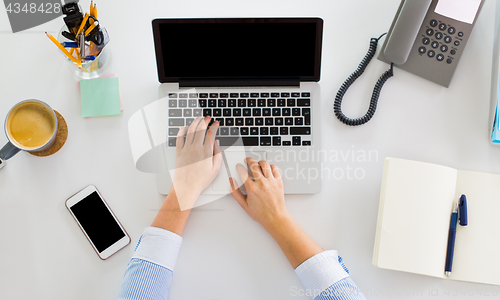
pixel 101 227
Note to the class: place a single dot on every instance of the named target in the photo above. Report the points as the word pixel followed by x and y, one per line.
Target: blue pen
pixel 69 44
pixel 462 211
pixel 89 57
pixel 451 241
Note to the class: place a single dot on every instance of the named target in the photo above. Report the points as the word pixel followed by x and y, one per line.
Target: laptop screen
pixel 219 49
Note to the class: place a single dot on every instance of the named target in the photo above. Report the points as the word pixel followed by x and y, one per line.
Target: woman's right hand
pixel 265 203
pixel 265 199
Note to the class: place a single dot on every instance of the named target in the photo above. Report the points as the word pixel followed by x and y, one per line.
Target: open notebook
pixel 416 202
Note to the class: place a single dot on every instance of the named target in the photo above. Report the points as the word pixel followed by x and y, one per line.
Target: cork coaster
pixel 61 136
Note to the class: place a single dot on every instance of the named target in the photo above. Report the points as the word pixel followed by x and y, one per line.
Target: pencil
pixel 91 48
pixel 91 28
pixel 62 48
pixel 92 12
pixel 66 52
pixel 94 65
pixel 84 22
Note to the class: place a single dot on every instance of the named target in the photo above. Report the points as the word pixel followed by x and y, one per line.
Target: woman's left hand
pixel 198 160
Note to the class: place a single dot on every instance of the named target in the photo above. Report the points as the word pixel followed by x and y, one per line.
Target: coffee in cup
pixel 31 125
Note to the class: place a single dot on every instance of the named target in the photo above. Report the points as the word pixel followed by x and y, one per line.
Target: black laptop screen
pixel 238 48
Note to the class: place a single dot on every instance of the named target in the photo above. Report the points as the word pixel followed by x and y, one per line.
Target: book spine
pixel 495 95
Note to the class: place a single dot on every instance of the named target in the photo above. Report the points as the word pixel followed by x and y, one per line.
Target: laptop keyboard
pixel 260 119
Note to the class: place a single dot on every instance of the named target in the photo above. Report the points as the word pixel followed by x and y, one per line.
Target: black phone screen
pixel 97 221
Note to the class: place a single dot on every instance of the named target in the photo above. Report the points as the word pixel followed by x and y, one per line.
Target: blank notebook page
pixel 414 217
pixel 477 245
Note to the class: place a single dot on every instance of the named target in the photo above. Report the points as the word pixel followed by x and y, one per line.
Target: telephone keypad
pixel 439 40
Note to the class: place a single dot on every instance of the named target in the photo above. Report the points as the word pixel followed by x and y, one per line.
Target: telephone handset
pixel 426 38
pixel 404 32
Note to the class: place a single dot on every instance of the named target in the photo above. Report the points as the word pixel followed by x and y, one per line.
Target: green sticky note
pixel 100 97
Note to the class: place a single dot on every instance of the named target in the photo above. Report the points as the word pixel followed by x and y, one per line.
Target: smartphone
pixel 101 227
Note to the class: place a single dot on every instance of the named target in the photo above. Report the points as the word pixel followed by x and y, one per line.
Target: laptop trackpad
pixel 221 182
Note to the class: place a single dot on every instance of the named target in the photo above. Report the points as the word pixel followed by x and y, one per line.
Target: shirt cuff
pixel 159 246
pixel 319 272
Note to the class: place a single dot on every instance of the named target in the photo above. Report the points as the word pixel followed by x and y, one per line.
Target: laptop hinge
pixel 237 82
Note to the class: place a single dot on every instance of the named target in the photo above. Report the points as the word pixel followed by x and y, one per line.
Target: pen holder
pixel 88 69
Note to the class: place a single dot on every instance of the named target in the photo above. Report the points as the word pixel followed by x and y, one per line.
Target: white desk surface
pixel 226 255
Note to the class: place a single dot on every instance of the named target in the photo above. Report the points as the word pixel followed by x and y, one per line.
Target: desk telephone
pixel 426 38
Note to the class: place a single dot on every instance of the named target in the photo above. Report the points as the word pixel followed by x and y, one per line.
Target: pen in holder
pixel 96 59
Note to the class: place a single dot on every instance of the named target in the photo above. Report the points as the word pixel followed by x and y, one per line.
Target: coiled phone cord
pixel 337 105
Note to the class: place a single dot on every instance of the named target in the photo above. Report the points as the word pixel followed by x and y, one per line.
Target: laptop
pixel 259 78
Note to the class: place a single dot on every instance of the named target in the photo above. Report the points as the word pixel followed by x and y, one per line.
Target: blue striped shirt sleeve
pixel 150 270
pixel 145 280
pixel 344 289
pixel 326 277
